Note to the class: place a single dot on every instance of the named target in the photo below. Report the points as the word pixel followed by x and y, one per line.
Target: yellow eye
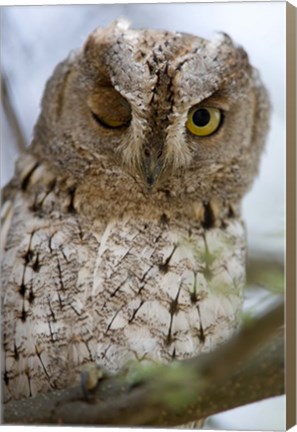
pixel 203 121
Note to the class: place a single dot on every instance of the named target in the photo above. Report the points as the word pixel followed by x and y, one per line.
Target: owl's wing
pixel 6 216
pixel 47 261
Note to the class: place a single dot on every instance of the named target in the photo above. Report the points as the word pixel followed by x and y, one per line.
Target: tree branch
pixel 11 115
pixel 248 368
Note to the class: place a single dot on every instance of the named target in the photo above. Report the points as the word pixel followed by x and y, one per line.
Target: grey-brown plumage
pixel 121 232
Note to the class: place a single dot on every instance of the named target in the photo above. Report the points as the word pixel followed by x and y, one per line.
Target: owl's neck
pixel 107 195
pixel 108 200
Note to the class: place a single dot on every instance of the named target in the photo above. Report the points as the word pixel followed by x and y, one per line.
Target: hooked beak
pixel 152 166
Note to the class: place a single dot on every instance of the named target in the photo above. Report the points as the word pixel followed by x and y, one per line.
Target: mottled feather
pixel 102 262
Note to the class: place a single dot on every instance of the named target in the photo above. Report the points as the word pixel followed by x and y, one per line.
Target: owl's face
pixel 168 110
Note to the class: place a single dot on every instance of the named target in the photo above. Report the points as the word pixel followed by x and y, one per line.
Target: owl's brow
pixel 188 56
pixel 216 100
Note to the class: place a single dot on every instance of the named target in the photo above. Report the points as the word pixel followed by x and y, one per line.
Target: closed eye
pixel 109 108
pixel 109 123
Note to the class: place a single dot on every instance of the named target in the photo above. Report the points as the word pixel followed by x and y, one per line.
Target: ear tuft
pixel 221 39
pixel 120 24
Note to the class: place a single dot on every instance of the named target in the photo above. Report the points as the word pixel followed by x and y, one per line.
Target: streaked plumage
pixel 126 242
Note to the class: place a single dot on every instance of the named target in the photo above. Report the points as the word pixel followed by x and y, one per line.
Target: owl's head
pixel 156 111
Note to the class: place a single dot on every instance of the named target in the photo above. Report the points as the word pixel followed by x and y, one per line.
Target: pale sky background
pixel 35 38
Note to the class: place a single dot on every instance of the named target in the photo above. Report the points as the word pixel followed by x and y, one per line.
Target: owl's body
pixel 122 235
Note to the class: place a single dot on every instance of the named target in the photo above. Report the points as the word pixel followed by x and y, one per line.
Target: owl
pixel 122 238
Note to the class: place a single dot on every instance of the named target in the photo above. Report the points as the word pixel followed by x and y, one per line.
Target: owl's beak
pixel 152 166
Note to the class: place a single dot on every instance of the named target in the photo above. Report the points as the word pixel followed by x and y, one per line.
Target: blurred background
pixel 35 38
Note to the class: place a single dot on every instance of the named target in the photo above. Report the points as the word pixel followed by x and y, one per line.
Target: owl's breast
pixel 126 290
pixel 165 292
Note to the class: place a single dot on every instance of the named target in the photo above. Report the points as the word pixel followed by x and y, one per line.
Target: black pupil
pixel 201 117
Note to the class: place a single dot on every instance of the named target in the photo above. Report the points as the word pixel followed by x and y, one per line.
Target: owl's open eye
pixel 109 109
pixel 204 121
